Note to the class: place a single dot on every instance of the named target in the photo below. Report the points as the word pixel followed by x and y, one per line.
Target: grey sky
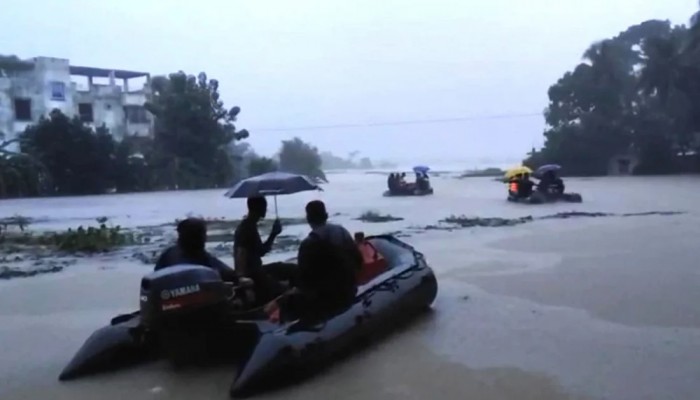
pixel 290 63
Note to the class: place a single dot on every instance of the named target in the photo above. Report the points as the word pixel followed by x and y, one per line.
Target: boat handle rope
pixel 390 285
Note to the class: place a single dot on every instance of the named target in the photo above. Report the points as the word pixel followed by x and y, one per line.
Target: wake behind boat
pixel 189 309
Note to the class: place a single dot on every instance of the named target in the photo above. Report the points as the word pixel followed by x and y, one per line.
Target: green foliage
pixel 79 160
pixel 93 240
pixel 192 132
pixel 12 63
pixel 195 145
pixel 331 161
pixel 637 93
pixel 482 172
pixel 261 165
pixel 299 157
pixel 89 239
pixel 20 176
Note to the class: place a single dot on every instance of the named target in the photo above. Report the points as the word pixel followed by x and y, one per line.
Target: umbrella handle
pixel 276 215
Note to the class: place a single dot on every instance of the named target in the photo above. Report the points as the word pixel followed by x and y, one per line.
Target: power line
pixel 397 123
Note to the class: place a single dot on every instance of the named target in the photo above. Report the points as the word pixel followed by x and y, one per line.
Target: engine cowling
pixel 180 294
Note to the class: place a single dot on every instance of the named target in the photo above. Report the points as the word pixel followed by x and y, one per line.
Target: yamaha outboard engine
pixel 181 306
pixel 180 293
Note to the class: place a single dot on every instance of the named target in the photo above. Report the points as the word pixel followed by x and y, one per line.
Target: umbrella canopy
pixel 546 168
pixel 517 171
pixel 422 169
pixel 271 183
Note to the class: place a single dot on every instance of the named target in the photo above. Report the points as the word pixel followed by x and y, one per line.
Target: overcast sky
pixel 299 63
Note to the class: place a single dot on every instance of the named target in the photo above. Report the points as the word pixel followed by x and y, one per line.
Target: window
pixel 136 114
pixel 23 109
pixel 58 91
pixel 85 112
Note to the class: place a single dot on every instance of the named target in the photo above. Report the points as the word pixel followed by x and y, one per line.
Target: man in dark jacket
pixel 525 186
pixel 248 250
pixel 190 249
pixel 328 262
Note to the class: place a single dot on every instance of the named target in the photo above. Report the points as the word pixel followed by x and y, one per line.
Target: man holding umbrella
pixel 550 182
pixel 248 250
pixel 248 247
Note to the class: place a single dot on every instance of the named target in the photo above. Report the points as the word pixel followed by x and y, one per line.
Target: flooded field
pixel 560 308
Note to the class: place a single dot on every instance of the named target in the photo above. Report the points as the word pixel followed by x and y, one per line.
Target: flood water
pixel 585 308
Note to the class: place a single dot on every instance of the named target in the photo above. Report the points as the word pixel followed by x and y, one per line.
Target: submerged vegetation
pixel 374 216
pixel 89 239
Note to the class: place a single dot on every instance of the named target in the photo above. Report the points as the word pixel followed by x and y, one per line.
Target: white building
pixel 42 84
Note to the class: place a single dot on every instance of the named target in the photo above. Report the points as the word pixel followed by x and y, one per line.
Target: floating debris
pixel 468 222
pixel 7 273
pixel 375 217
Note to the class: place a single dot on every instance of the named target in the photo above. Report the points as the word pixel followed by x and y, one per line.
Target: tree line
pixel 636 94
pixel 195 145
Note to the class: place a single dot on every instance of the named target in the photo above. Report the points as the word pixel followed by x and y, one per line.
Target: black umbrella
pixel 272 183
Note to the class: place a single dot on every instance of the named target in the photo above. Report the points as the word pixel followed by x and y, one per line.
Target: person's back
pixel 525 186
pixel 546 182
pixel 391 182
pixel 190 249
pixel 329 259
pixel 558 186
pixel 333 263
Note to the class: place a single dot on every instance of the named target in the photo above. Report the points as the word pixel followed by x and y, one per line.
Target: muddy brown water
pixel 594 308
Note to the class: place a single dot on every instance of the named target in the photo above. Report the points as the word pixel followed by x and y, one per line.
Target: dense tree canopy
pixel 331 161
pixel 80 161
pixel 192 133
pixel 299 157
pixel 195 145
pixel 637 93
pixel 262 165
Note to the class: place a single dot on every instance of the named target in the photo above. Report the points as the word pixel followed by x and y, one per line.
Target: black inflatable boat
pixel 189 309
pixel 540 198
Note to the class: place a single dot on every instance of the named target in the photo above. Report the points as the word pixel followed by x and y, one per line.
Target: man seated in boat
pixel 391 182
pixel 328 264
pixel 422 182
pixel 190 249
pixel 525 186
pixel 551 184
pixel 248 250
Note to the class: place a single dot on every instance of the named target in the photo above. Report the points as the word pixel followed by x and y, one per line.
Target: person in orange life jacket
pixel 373 263
pixel 328 262
pixel 513 186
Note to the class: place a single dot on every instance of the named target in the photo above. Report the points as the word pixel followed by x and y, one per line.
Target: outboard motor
pixel 182 295
pixel 182 308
